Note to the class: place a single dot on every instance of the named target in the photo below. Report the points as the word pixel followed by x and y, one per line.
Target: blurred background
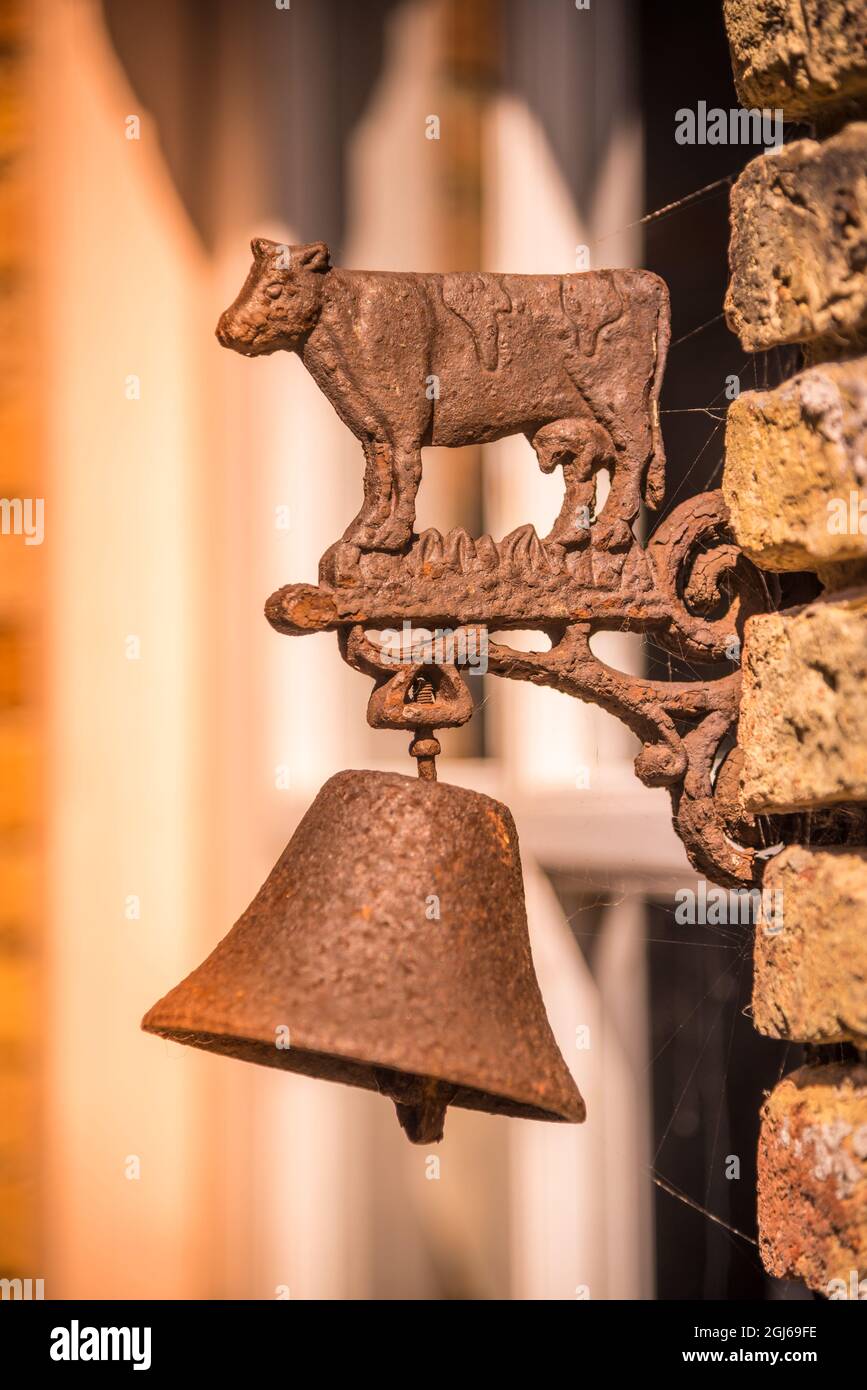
pixel 158 741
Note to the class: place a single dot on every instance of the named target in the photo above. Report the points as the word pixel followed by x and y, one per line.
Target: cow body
pixel 575 362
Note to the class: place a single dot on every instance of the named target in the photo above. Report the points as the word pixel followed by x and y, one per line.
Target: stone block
pixel 795 478
pixel 798 249
pixel 812 1179
pixel 810 979
pixel 807 56
pixel 803 717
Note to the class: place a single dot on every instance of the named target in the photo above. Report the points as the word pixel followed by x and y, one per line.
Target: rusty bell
pixel 388 949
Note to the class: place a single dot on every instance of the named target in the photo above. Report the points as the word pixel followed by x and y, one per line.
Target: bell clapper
pixel 420 1101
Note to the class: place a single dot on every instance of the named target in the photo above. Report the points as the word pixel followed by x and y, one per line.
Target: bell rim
pixel 262 1052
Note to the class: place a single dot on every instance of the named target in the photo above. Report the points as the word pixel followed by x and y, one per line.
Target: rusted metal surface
pixel 575 363
pixel 690 588
pixel 337 946
pixel 388 949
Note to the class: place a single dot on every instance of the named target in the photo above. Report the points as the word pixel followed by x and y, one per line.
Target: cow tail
pixel 654 484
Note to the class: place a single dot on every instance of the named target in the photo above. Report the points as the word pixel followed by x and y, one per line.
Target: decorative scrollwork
pixel 690 588
pixel 709 586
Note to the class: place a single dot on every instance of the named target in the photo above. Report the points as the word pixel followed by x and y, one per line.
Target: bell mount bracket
pixel 689 589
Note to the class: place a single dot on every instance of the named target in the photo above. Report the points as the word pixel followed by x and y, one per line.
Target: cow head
pixel 280 300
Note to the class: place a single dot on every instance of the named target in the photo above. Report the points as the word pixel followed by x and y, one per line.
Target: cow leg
pixel 391 482
pixel 378 495
pixel 407 476
pixel 613 530
pixel 633 451
pixel 394 531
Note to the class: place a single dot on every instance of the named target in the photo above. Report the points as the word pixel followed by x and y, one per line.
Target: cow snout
pixel 234 332
pixel 225 333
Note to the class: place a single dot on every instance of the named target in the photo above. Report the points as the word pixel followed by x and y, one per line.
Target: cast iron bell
pixel 388 949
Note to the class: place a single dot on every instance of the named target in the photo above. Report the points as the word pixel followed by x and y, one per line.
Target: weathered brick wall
pixel 796 486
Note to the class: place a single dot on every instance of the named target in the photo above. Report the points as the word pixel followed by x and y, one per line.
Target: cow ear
pixel 313 257
pixel 261 248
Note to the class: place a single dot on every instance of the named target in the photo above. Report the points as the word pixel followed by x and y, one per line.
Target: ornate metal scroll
pixel 574 362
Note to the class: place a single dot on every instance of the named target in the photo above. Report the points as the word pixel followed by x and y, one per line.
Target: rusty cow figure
pixel 574 362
